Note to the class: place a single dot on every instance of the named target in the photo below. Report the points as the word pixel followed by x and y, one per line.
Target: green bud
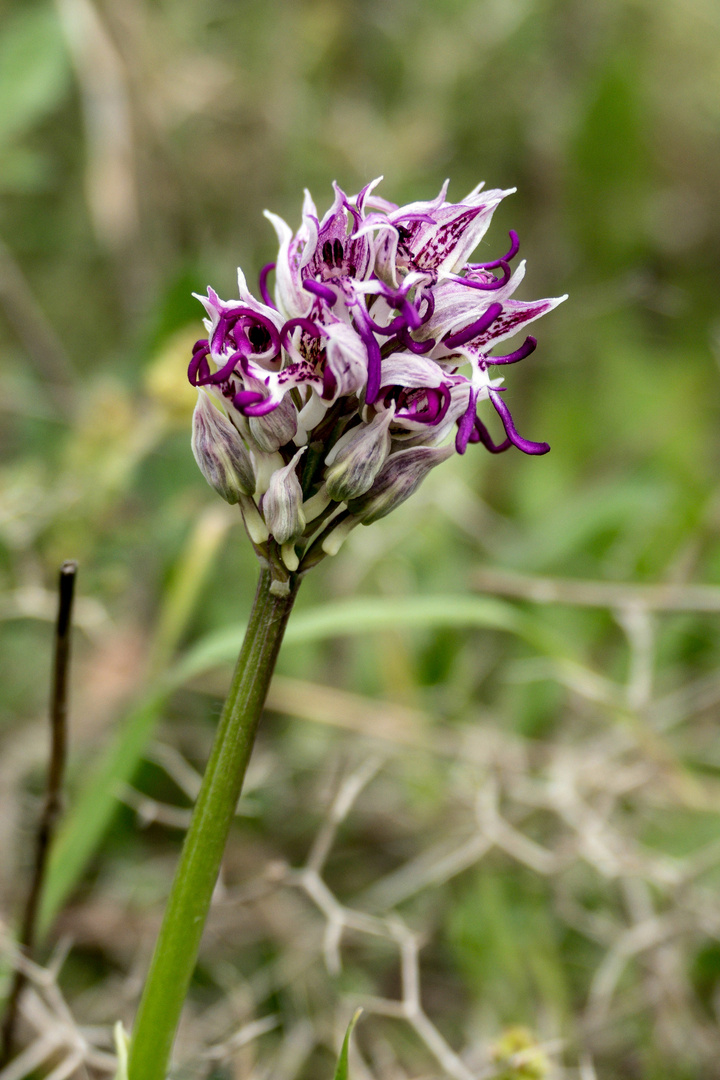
pixel 401 474
pixel 518 1055
pixel 220 451
pixel 361 454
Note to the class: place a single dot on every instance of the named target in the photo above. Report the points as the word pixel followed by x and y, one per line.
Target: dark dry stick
pixel 53 796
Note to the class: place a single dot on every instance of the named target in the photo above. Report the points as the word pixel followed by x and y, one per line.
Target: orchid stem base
pixel 178 943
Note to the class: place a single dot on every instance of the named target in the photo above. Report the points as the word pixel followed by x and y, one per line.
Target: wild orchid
pixel 322 407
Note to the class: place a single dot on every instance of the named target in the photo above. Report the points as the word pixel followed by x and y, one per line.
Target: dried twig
pixel 53 797
pixel 600 594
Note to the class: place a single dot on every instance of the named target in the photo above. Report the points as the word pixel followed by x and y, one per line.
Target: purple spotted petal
pixel 455 232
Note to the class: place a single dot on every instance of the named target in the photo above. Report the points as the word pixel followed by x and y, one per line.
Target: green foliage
pixel 502 932
pixel 34 79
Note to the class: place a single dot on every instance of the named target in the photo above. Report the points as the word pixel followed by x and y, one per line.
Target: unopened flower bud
pixel 354 467
pixel 401 474
pixel 282 503
pixel 220 452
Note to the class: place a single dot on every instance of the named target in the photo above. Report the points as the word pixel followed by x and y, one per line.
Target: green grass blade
pixel 365 615
pixel 341 1072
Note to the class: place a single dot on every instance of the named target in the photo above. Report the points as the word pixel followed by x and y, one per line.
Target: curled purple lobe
pixel 506 258
pixel 486 282
pixel 324 292
pixel 503 412
pixel 266 270
pixel 307 325
pixel 245 398
pixel 474 329
pixel 528 346
pixel 245 331
pixel 466 423
pixel 199 369
pixel 374 360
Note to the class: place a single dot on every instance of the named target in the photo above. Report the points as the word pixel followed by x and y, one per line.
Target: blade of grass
pixel 341 1072
pixel 365 615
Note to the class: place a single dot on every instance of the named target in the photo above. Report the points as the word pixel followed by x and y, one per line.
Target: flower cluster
pixel 325 406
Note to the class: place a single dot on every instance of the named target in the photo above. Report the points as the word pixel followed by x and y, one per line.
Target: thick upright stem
pixel 177 946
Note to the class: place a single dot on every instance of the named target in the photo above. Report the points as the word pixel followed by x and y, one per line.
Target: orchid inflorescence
pixel 325 407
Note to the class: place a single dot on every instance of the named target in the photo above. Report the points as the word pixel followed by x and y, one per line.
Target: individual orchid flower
pixel 344 385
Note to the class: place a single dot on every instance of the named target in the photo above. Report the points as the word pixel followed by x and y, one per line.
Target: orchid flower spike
pixel 335 395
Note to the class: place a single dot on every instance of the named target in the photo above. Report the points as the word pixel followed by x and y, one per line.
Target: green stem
pixel 177 946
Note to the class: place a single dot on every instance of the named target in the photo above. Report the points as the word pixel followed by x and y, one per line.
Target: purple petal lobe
pixel 528 346
pixel 514 248
pixel 325 292
pixel 374 360
pixel 263 284
pixel 243 398
pixel 467 423
pixel 461 337
pixel 503 412
pixel 492 283
pixel 418 347
pixel 307 325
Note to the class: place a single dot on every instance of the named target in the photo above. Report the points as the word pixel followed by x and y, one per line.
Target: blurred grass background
pixel 139 144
